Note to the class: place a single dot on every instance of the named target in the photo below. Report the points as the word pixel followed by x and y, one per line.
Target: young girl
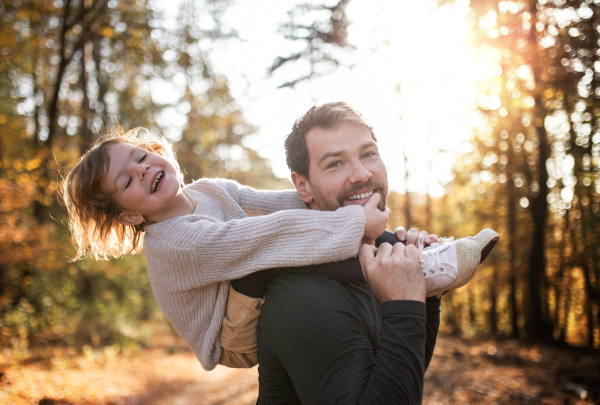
pixel 127 191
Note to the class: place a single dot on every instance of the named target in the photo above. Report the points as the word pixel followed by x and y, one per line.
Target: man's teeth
pixel 361 196
pixel 156 181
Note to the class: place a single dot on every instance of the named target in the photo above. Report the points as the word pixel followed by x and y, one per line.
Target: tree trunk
pixel 539 325
pixel 86 132
pixel 407 208
pixel 512 248
pixel 589 302
pixel 493 307
pixel 102 81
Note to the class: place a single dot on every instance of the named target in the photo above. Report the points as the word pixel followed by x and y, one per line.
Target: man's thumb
pixel 373 201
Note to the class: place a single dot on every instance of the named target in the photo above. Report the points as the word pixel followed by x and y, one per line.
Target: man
pixel 325 342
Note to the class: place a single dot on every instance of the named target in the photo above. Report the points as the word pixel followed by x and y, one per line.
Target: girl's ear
pixel 130 218
pixel 302 187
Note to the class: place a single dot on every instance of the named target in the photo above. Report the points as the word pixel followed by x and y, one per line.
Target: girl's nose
pixel 143 171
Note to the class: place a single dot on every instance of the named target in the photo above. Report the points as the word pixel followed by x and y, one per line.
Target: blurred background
pixel 487 114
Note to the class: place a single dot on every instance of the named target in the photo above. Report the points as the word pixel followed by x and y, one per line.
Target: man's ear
pixel 130 218
pixel 302 187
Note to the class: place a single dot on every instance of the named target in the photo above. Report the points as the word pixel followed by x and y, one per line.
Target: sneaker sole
pixel 478 249
pixel 488 238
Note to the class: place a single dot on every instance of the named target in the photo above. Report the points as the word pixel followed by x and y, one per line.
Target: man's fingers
pixel 398 248
pixel 384 250
pixel 366 255
pixel 411 236
pixel 401 233
pixel 421 238
pixel 373 248
pixel 366 252
pixel 411 252
pixel 431 239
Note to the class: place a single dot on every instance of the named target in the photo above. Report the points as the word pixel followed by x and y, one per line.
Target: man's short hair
pixel 324 116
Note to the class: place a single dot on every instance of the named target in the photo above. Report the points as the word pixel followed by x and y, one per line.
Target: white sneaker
pixel 448 264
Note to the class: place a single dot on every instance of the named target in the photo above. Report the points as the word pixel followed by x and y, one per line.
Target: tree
pixel 72 70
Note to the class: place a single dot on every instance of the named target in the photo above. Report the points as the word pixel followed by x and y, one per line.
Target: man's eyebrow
pixel 123 169
pixel 328 155
pixel 364 146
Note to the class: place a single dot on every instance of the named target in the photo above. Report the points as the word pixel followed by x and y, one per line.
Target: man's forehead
pixel 337 139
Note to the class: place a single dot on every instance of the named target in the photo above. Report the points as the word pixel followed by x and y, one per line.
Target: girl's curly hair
pixel 93 213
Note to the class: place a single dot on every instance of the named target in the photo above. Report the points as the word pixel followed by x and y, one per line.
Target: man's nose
pixel 359 174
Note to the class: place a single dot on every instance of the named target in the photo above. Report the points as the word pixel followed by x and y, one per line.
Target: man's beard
pixel 330 204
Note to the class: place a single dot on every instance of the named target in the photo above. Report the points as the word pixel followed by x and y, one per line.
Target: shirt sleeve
pixel 203 251
pixel 397 375
pixel 432 327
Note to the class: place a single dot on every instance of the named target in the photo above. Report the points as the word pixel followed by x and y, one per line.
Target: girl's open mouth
pixel 157 181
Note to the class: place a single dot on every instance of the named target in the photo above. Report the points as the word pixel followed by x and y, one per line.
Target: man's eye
pixel 143 157
pixel 370 154
pixel 333 164
pixel 128 183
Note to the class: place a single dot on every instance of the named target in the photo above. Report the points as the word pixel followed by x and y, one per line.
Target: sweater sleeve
pixel 263 202
pixel 203 251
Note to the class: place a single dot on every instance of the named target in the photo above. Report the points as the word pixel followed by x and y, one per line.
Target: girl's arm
pixel 201 251
pixel 263 202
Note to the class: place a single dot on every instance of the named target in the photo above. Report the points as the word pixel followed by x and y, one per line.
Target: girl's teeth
pixel 156 181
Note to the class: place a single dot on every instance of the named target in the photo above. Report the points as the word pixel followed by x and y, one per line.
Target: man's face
pixel 345 168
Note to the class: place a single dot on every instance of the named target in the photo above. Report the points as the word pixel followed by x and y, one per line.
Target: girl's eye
pixel 128 183
pixel 143 157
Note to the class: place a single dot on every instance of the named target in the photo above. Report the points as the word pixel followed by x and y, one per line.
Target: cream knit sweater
pixel 234 231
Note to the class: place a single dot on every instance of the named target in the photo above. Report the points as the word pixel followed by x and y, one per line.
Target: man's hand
pixel 376 220
pixel 414 237
pixel 394 273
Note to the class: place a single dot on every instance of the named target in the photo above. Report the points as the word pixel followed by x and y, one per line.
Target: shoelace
pixel 431 261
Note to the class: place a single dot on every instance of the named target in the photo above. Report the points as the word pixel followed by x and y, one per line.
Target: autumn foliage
pixel 71 70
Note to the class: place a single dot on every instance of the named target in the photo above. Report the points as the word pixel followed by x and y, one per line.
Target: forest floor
pixel 462 372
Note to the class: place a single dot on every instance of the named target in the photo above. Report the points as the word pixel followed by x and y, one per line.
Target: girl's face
pixel 145 184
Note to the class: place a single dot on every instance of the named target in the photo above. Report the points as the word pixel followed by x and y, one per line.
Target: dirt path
pixel 462 372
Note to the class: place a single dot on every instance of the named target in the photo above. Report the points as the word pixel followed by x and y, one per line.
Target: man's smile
pixel 361 196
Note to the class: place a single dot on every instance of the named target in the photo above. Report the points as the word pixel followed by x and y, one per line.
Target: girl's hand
pixel 376 220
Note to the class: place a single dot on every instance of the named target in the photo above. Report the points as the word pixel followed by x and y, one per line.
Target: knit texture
pixel 234 231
